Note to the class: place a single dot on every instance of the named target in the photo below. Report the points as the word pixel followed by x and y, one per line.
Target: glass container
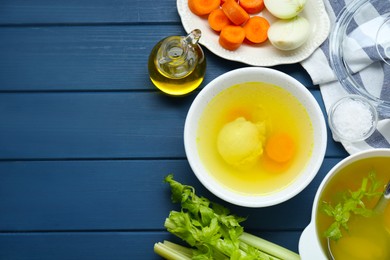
pixel 177 64
pixel 352 119
pixel 360 51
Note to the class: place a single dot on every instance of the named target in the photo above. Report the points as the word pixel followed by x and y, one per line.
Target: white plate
pixel 263 54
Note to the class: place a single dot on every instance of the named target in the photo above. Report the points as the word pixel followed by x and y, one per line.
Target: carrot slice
pixel 252 6
pixel 280 147
pixel 231 37
pixel 223 1
pixel 256 29
pixel 218 19
pixel 203 7
pixel 235 12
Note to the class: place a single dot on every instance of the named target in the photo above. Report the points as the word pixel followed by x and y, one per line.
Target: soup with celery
pixel 346 212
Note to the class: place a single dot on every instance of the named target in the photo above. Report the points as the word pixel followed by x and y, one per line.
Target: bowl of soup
pixel 255 137
pixel 351 189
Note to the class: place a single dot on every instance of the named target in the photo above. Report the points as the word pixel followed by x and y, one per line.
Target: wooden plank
pixel 120 195
pixel 97 125
pixel 93 58
pixel 106 245
pixel 77 58
pixel 91 125
pixel 87 11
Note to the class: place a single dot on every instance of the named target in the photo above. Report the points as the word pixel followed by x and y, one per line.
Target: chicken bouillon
pixel 255 138
pixel 367 237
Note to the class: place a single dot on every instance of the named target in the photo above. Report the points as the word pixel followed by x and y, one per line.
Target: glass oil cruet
pixel 177 64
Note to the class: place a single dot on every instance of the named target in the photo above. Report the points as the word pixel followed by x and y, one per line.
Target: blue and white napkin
pixel 363 57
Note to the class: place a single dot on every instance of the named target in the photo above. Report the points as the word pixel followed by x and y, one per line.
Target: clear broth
pixel 368 238
pixel 255 101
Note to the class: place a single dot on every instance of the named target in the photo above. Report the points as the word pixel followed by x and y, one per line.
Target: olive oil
pixel 177 64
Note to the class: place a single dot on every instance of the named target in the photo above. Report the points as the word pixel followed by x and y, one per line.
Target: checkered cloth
pixel 362 57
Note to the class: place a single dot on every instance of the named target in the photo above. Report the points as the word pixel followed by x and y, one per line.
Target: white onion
pixel 284 9
pixel 289 34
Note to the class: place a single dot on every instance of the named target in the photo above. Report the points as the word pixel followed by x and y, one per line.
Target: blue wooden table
pixel 86 139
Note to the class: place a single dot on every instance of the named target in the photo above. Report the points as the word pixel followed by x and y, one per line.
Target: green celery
pixel 353 202
pixel 184 250
pixel 214 233
pixel 172 251
pixel 269 247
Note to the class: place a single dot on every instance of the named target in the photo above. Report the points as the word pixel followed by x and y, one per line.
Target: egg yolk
pixel 280 147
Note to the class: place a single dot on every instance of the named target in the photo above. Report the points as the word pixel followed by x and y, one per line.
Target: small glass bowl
pixel 352 119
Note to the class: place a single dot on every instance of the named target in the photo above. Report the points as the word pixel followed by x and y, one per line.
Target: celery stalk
pixel 268 247
pixel 182 249
pixel 259 254
pixel 170 252
pixel 212 232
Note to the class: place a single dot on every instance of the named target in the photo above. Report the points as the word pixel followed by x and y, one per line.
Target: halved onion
pixel 284 9
pixel 289 34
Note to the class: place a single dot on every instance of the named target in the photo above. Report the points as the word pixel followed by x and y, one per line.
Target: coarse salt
pixel 352 119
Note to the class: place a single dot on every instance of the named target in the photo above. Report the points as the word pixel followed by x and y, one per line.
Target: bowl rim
pixel 256 74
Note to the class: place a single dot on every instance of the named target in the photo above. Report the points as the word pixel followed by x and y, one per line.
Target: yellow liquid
pixel 176 86
pixel 368 238
pixel 256 102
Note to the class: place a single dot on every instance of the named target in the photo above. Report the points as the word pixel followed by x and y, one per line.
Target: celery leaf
pixel 353 202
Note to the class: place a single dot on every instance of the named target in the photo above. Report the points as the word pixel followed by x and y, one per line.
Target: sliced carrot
pixel 223 1
pixel 280 147
pixel 231 37
pixel 256 29
pixel 235 12
pixel 218 19
pixel 203 7
pixel 252 6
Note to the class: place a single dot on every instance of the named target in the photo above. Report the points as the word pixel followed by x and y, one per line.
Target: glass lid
pixel 360 51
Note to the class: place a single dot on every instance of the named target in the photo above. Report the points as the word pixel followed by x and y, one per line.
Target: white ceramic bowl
pixel 309 244
pixel 255 74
